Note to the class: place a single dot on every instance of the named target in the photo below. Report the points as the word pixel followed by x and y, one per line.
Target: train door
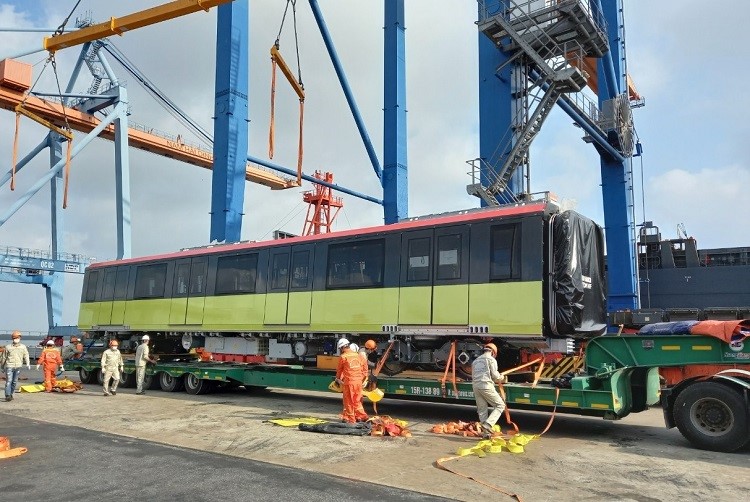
pixel 178 304
pixel 108 296
pixel 450 291
pixel 197 293
pixel 300 285
pixel 121 295
pixel 415 284
pixel 277 291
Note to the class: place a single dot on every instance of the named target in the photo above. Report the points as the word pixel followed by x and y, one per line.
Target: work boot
pixel 107 394
pixel 140 393
pixel 114 392
pixel 9 398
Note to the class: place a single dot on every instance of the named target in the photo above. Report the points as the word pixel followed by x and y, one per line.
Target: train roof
pixel 469 215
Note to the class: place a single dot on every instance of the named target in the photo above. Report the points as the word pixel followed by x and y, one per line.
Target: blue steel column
pixel 495 95
pixel 395 172
pixel 122 177
pixel 617 184
pixel 230 121
pixel 53 285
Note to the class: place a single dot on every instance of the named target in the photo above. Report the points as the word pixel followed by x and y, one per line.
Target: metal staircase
pixel 548 38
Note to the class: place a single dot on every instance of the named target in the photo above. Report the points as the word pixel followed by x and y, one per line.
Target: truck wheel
pixel 150 383
pixel 712 417
pixel 99 376
pixel 127 380
pixel 87 376
pixel 168 383
pixel 194 385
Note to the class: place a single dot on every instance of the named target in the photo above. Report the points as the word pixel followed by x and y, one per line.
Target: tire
pixel 87 376
pixel 712 417
pixel 99 376
pixel 127 380
pixel 392 368
pixel 150 383
pixel 168 383
pixel 195 385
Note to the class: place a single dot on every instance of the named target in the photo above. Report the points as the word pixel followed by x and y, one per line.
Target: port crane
pixel 548 48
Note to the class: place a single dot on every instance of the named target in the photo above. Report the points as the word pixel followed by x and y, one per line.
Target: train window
pixel 419 260
pixel 121 283
pixel 449 257
pixel 181 278
pixel 91 286
pixel 149 281
pixel 355 265
pixel 300 268
pixel 236 274
pixel 280 271
pixel 505 252
pixel 198 278
pixel 108 293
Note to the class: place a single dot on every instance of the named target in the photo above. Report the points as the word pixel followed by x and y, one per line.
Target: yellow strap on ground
pixel 294 422
pixel 32 388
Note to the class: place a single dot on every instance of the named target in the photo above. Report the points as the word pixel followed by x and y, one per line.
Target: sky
pixel 693 128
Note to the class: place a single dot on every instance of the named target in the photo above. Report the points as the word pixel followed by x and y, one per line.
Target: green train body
pixel 522 275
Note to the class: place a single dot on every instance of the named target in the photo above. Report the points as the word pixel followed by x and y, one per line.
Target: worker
pixel 74 350
pixel 141 359
pixel 350 374
pixel 50 359
pixel 112 367
pixel 365 351
pixel 15 356
pixel 484 375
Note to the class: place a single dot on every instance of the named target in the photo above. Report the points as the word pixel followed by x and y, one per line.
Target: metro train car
pixel 525 275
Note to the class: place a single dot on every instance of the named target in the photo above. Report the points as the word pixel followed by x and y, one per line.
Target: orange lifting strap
pixel 20 110
pixel 277 60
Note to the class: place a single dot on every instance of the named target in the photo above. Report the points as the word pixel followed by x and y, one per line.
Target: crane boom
pixel 55 113
pixel 117 26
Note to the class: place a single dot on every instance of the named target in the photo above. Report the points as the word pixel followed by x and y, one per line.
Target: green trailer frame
pixel 621 377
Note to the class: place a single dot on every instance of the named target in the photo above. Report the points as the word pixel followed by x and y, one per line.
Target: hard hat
pixel 16 334
pixel 50 342
pixel 343 342
pixel 354 347
pixel 145 338
pixel 492 348
pixel 371 345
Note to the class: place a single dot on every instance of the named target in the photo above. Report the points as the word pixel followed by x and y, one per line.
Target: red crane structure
pixel 323 208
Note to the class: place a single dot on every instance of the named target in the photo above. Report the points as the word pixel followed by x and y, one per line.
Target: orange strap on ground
pixel 383 359
pixel 67 176
pixel 271 128
pixel 440 463
pixel 15 154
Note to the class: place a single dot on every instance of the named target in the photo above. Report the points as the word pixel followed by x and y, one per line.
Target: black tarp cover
pixel 579 285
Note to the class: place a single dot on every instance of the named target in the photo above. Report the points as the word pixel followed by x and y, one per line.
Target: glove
pixel 62 368
pixel 29 367
pixel 502 379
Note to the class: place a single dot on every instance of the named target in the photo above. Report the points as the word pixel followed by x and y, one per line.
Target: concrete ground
pixel 580 458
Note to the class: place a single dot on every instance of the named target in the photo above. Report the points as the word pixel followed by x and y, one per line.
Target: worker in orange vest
pixel 350 374
pixel 50 360
pixel 74 350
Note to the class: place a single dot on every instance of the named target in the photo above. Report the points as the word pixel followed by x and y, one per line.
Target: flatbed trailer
pixel 621 376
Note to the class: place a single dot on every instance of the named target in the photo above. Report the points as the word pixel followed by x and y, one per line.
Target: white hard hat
pixel 145 337
pixel 343 342
pixel 354 347
pixel 50 342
